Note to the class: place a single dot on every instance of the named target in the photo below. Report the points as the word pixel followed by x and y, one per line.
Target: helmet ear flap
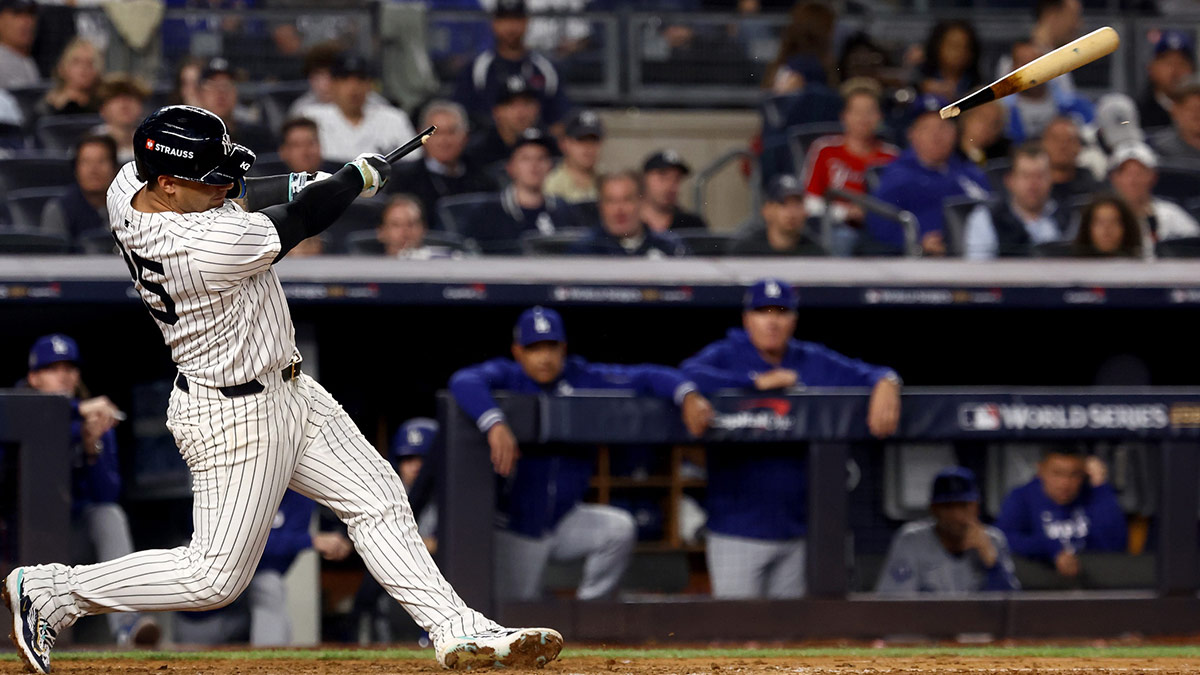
pixel 143 174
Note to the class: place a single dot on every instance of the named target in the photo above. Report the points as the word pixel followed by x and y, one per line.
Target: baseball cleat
pixel 502 647
pixel 32 635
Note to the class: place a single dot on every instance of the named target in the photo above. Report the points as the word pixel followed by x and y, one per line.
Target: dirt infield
pixel 589 665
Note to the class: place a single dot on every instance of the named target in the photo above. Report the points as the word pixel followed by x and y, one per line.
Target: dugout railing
pixel 828 423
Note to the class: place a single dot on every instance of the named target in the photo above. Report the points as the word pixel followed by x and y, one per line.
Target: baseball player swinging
pixel 248 422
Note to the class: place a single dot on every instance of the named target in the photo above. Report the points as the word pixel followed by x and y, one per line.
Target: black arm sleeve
pixel 315 209
pixel 266 191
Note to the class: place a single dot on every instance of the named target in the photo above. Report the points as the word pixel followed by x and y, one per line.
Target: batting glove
pixel 375 172
pixel 299 181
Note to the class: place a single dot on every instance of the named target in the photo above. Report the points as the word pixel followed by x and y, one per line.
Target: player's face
pixel 94 168
pixel 1062 477
pixel 954 519
pixel 58 378
pixel 186 196
pixel 787 217
pixel 518 114
pixel 17 29
pixel 409 468
pixel 619 207
pixel 861 116
pixel 123 112
pixel 1186 114
pixel 769 328
pixel 1168 70
pixel 447 145
pixel 932 139
pixel 1134 181
pixel 219 94
pixel 301 149
pixel 954 54
pixel 1061 142
pixel 350 93
pixel 401 229
pixel 1106 230
pixel 582 153
pixel 1029 182
pixel 529 166
pixel 510 31
pixel 542 361
pixel 78 69
pixel 662 186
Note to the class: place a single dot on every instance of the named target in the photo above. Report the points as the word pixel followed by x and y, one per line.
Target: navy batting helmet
pixel 191 143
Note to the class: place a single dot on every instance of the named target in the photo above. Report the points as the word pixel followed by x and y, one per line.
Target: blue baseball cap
pixel 770 293
pixel 539 324
pixel 925 104
pixel 783 186
pixel 954 484
pixel 1175 41
pixel 52 349
pixel 414 438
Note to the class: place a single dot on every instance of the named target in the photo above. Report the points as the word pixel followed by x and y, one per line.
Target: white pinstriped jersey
pixel 207 280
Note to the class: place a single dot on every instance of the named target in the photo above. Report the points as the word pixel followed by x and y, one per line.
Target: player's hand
pixel 505 452
pixel 375 172
pixel 932 244
pixel 1097 471
pixel 332 545
pixel 101 413
pixel 780 378
pixel 1067 563
pixel 697 413
pixel 977 539
pixel 883 412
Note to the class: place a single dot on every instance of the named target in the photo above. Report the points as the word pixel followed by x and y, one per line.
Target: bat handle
pixel 410 146
pixel 985 95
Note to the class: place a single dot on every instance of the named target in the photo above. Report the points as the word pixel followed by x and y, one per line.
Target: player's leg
pixel 240 457
pixel 270 624
pixel 736 566
pixel 519 563
pixel 604 537
pixel 785 578
pixel 341 470
pixel 108 529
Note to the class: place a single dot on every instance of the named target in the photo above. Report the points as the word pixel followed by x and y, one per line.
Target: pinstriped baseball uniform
pixel 207 280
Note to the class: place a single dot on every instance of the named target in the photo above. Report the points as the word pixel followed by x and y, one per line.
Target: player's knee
pixel 622 529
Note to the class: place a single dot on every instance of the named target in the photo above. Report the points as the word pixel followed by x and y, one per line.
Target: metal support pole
pixel 826 558
pixel 1177 554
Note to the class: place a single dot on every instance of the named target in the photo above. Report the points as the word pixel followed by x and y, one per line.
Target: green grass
pixel 1115 652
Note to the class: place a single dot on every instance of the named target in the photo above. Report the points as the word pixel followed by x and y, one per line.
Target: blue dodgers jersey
pixel 911 186
pixel 289 532
pixel 1037 527
pixel 761 491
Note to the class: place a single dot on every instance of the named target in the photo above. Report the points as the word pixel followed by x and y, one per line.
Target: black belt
pixel 289 373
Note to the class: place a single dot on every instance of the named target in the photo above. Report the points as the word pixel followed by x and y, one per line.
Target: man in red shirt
pixel 842 160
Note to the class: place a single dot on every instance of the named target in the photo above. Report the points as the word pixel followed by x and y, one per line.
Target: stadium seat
pixel 954 212
pixel 17 173
pixel 801 137
pixel 25 206
pixel 995 170
pixel 551 244
pixel 908 472
pixel 1009 465
pixel 455 211
pixel 702 243
pixel 1177 179
pixel 363 214
pixel 1099 571
pixel 1054 249
pixel 96 242
pixel 15 239
pixel 366 243
pixel 12 137
pixel 1185 247
pixel 28 97
pixel 275 98
pixel 62 132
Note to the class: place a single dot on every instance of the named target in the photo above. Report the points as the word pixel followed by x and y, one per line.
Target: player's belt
pixel 289 373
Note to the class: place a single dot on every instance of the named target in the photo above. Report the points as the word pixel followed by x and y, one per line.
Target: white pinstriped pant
pixel 243 454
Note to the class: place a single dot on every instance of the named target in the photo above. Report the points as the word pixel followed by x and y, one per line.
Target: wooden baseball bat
pixel 411 145
pixel 1080 52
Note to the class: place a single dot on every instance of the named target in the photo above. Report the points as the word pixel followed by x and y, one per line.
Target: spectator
pixel 76 79
pixel 1174 63
pixel 574 180
pixel 1182 139
pixel 318 68
pixel 982 138
pixel 784 220
pixel 542 505
pixel 97 518
pixel 1067 509
pixel 1108 229
pixel 18 27
pixel 757 511
pixel 842 161
pixel 261 613
pixel 348 126
pixel 921 178
pixel 445 171
pixel 219 94
pixel 10 110
pixel 662 176
pixel 1027 217
pixel 122 107
pixel 805 50
pixel 402 231
pixel 1132 172
pixel 1030 111
pixel 84 208
pixel 523 207
pixel 950 69
pixel 952 552
pixel 484 81
pixel 1056 22
pixel 516 110
pixel 300 146
pixel 186 89
pixel 621 232
pixel 1063 145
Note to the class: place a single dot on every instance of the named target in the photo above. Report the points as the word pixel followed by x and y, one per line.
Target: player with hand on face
pixel 545 514
pixel 248 422
pixel 757 495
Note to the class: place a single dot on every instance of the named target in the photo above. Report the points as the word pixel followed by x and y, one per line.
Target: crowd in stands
pixel 516 166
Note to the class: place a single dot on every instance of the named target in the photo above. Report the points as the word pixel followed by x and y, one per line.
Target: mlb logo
pixel 149 144
pixel 979 417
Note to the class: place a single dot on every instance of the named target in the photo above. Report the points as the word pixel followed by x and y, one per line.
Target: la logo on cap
pixel 414 436
pixel 59 345
pixel 772 290
pixel 540 323
pixel 149 144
